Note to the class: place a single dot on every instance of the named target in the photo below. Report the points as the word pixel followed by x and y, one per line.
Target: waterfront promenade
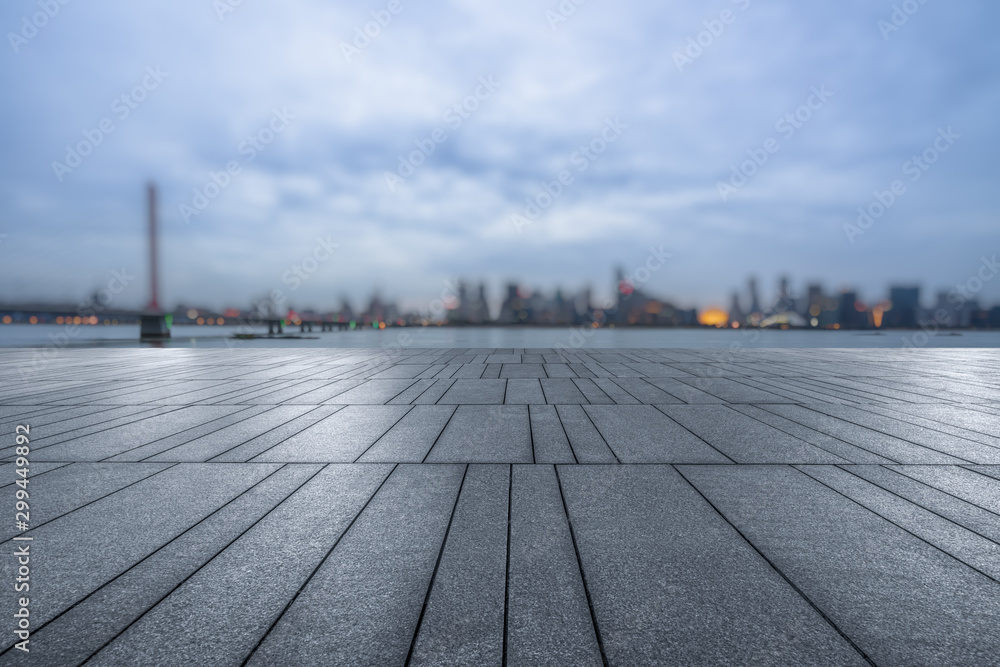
pixel 522 507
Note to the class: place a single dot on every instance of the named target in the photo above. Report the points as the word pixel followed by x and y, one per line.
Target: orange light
pixel 877 317
pixel 33 319
pixel 7 319
pixel 77 320
pixel 381 325
pixel 200 320
pixel 836 326
pixel 713 317
pixel 736 325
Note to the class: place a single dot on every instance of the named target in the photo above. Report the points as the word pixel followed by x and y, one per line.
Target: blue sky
pixel 201 81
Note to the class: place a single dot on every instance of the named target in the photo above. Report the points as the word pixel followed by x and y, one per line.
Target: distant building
pixel 905 307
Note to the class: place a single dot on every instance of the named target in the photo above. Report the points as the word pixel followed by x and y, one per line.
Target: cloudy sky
pixel 644 108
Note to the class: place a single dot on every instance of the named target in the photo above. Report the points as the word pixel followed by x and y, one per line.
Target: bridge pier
pixel 271 324
pixel 153 327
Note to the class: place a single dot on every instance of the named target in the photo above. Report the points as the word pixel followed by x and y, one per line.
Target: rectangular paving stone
pixel 463 623
pixel 100 617
pixel 870 577
pixel 644 392
pixel 372 392
pixel 895 449
pixel 548 438
pixel 827 443
pixel 107 443
pixel 236 611
pixel 522 371
pixel 88 547
pixel 563 391
pixel 433 393
pixel 409 440
pixel 615 392
pixel 548 618
pixel 643 434
pixel 524 391
pixel 587 443
pixel 732 391
pixel 379 571
pixel 672 583
pixel 340 438
pixel 485 434
pixel 475 392
pixel 744 439
pixel 247 428
pixel 966 546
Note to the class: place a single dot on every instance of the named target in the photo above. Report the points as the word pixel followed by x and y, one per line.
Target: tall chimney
pixel 154 291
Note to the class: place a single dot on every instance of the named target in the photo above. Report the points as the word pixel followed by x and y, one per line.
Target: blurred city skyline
pixel 845 144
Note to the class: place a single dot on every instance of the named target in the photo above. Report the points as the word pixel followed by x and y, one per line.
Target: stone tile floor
pixel 506 506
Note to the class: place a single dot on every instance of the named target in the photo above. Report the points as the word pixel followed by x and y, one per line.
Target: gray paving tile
pixel 100 617
pixel 683 392
pixel 522 371
pixel 643 434
pixel 379 571
pixel 246 428
pixel 895 449
pixel 524 391
pixel 372 392
pixel 587 443
pixel 72 486
pixel 97 446
pixel 564 391
pixel 409 440
pixel 971 549
pixel 548 437
pixel 822 441
pixel 85 549
pixel 485 434
pixel 615 392
pixel 475 392
pixel 954 509
pixel 284 548
pixel 463 623
pixel 732 391
pixel 869 577
pixel 644 392
pixel 744 439
pixel 672 583
pixel 239 453
pixel 340 438
pixel 548 618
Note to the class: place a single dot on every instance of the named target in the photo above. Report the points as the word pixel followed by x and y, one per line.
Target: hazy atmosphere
pixel 414 150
